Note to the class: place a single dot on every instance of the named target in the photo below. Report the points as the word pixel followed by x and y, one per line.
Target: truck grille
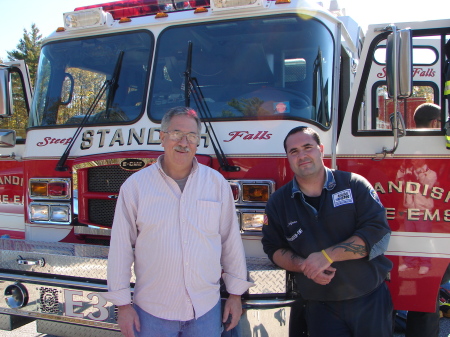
pixel 101 211
pixel 98 184
pixel 107 178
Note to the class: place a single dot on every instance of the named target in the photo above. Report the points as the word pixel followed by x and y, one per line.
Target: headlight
pixel 252 221
pixel 39 212
pixel 50 213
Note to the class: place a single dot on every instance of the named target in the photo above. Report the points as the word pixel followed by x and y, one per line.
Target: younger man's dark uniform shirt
pixel 348 206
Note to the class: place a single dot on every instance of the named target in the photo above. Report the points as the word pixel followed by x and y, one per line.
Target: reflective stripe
pixel 447 88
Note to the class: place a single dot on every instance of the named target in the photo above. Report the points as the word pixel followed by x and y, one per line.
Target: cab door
pixel 408 168
pixel 15 100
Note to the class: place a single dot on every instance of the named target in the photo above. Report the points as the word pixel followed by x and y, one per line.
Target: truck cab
pixel 253 71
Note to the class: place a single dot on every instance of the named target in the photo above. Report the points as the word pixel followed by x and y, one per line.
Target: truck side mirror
pixel 7 138
pixel 6 107
pixel 399 64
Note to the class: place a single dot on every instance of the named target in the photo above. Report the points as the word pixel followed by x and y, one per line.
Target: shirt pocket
pixel 208 216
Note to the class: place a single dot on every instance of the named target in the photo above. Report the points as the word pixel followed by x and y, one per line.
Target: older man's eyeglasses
pixel 177 136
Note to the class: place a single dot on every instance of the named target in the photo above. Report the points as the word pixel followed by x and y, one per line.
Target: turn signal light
pixel 49 188
pixel 255 192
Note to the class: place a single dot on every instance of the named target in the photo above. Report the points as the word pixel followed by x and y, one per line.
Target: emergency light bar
pixel 135 8
pixel 94 17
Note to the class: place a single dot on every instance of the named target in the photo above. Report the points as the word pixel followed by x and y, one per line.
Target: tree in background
pixel 28 49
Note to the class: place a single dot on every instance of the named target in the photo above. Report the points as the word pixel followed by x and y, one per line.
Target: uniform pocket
pixel 208 215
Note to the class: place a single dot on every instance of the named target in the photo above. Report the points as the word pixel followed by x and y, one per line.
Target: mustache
pixel 182 148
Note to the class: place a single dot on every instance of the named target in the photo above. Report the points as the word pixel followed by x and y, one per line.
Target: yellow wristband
pixel 326 256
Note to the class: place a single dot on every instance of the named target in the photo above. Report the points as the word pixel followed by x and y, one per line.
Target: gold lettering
pixel 151 136
pixel 390 213
pixel 4 199
pixel 1 181
pixel 7 179
pixel 447 197
pixel 118 137
pixel 413 214
pixel 86 140
pixel 412 187
pixel 139 138
pixel 447 215
pixel 379 188
pixel 436 192
pixel 429 216
pixel 15 180
pixel 206 138
pixel 102 133
pixel 398 188
pixel 425 189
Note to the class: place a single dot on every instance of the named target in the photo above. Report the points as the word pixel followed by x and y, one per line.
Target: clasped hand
pixel 317 268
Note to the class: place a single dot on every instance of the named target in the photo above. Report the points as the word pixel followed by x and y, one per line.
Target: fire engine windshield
pixel 257 68
pixel 73 72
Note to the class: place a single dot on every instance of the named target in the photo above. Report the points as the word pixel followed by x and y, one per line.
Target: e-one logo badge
pixel 132 164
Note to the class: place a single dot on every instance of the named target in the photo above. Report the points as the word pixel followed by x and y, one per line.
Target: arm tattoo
pixel 285 251
pixel 352 247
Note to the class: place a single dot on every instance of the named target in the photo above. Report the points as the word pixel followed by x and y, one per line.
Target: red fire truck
pixel 253 69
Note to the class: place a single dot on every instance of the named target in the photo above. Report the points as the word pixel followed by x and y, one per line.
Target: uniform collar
pixel 329 184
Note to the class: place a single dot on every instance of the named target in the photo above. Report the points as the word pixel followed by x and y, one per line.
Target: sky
pixel 48 14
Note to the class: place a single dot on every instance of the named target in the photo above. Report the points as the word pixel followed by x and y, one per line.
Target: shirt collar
pixel 159 166
pixel 329 183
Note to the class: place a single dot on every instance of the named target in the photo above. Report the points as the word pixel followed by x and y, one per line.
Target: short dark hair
pixel 303 129
pixel 180 111
pixel 425 114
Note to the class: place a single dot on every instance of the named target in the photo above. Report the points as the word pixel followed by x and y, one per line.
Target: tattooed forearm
pixel 284 251
pixel 352 247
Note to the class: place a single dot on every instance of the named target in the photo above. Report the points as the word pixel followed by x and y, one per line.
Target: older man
pixel 179 217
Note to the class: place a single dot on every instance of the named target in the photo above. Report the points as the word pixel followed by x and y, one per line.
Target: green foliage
pixel 28 49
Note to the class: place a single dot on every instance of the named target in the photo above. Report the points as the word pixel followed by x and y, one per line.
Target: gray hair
pixel 180 111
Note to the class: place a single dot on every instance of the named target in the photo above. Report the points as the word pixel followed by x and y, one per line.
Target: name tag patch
pixel 342 198
pixel 295 236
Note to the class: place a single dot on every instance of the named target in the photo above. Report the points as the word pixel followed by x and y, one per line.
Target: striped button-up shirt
pixel 183 243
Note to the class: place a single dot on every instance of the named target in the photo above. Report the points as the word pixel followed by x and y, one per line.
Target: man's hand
pixel 127 320
pixel 315 264
pixel 325 277
pixel 233 307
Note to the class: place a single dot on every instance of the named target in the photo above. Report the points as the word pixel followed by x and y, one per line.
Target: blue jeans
pixel 208 325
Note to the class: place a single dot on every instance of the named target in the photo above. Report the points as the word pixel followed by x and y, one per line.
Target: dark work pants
pixel 421 324
pixel 369 316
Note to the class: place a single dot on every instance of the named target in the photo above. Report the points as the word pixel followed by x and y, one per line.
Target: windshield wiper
pixel 192 87
pixel 108 84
